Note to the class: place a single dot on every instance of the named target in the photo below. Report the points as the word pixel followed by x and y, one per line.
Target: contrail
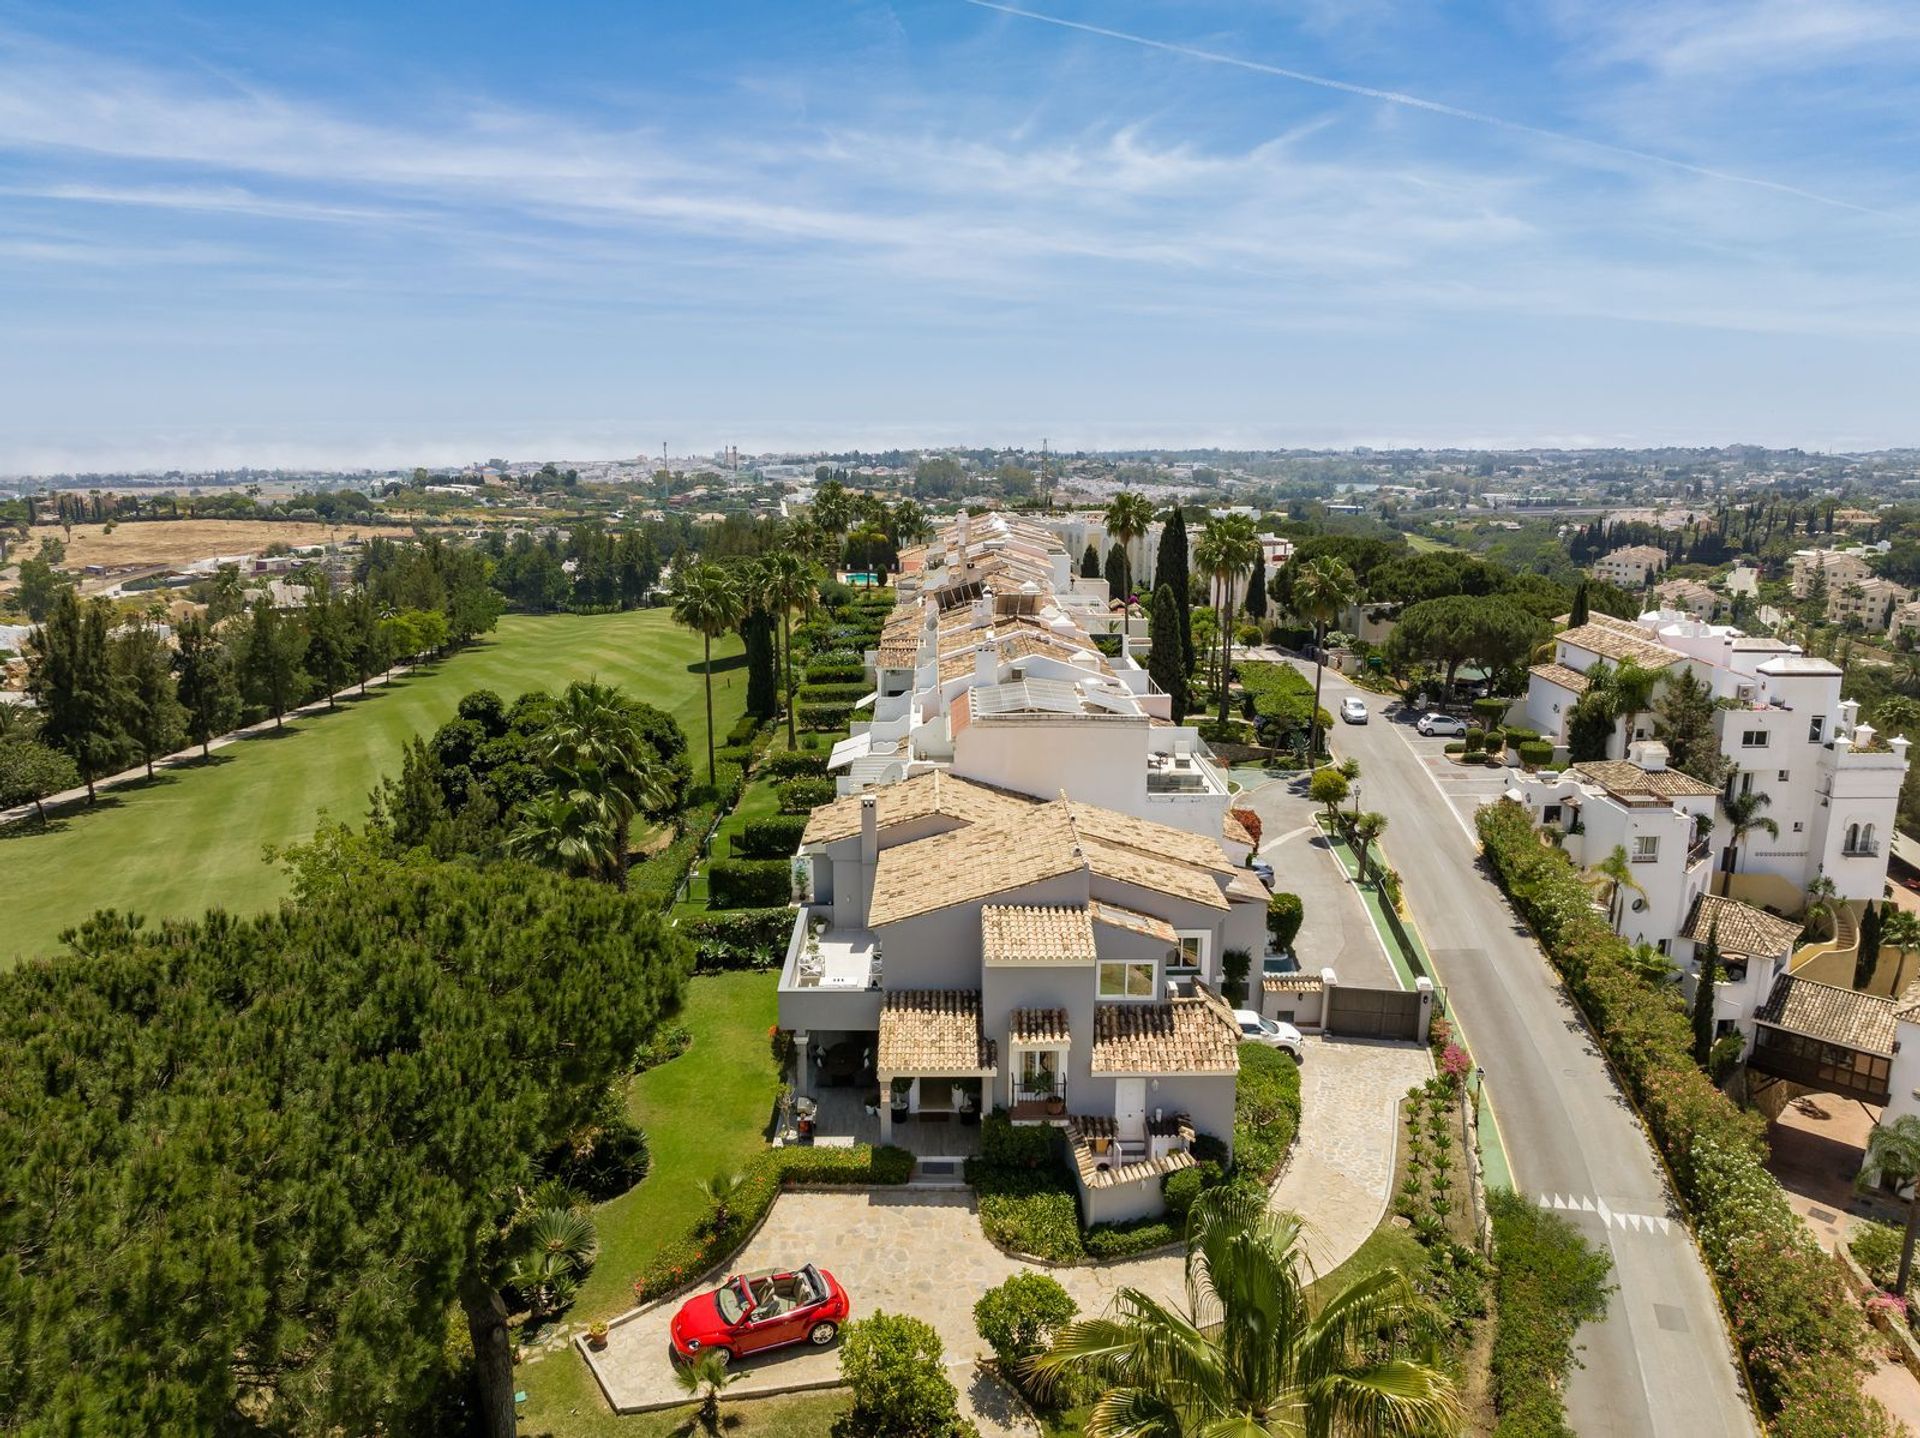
pixel 1455 112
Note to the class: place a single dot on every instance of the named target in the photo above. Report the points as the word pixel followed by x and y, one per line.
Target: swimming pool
pixel 867 581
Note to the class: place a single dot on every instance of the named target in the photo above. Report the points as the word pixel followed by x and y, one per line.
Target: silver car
pixel 1353 711
pixel 1435 725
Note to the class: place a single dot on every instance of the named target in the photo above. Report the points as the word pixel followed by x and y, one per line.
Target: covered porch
pixel 934 1063
pixel 844 1117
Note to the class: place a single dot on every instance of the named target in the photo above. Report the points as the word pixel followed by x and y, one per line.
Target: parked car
pixel 1263 871
pixel 1435 724
pixel 753 1312
pixel 1353 711
pixel 1271 1032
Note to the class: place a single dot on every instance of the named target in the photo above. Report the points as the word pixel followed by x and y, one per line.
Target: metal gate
pixel 1373 1013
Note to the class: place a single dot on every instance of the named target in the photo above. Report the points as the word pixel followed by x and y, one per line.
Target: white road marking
pixel 1636 1222
pixel 1290 834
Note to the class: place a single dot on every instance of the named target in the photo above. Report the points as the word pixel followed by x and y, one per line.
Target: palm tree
pixel 707 600
pixel 1321 591
pixel 909 524
pixel 1893 1150
pixel 789 585
pixel 1248 1354
pixel 1650 964
pixel 1614 874
pixel 1744 816
pixel 1367 827
pixel 1227 551
pixel 704 1379
pixel 565 830
pixel 595 743
pixel 1899 930
pixel 1630 690
pixel 1823 903
pixel 722 1190
pixel 1129 516
pixel 555 1247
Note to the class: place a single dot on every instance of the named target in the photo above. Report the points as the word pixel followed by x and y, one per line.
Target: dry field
pixel 182 541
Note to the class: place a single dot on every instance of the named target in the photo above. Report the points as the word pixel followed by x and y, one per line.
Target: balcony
pixel 1182 774
pixel 1861 851
pixel 1038 1103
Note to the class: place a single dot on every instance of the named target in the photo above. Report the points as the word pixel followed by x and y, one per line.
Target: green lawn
pixel 564 1402
pixel 192 838
pixel 704 1112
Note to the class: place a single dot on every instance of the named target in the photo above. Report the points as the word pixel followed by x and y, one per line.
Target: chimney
pixel 986 660
pixel 869 831
pixel 1863 736
pixel 1899 746
pixel 1648 754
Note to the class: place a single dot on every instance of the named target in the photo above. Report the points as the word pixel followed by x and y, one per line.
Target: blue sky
pixel 359 233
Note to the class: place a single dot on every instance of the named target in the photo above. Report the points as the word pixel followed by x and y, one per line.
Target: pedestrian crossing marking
pixel 1635 1222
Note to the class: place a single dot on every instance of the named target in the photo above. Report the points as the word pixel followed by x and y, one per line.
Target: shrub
pixel 1496 741
pixel 829 693
pixel 1456 746
pixel 1249 821
pixel 1535 752
pixel 1234 964
pixel 1285 913
pixel 774 838
pixel 1876 1248
pixel 1124 1240
pixel 1489 711
pixel 1476 741
pixel 1266 1110
pixel 825 671
pixel 1789 1310
pixel 743 730
pixel 741 754
pixel 1005 1144
pixel 1517 735
pixel 1032 1213
pixel 894 1366
pixel 1551 1280
pixel 1179 1189
pixel 1019 1317
pixel 803 796
pixel 790 763
pixel 748 883
pixel 665 1043
pixel 738 939
pixel 824 716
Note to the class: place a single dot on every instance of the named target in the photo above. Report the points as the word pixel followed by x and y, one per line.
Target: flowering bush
pixel 1803 1338
pixel 1454 1063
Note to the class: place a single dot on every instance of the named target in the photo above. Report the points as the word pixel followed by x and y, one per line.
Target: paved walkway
pixel 191 754
pixel 921 1251
pixel 1340 1178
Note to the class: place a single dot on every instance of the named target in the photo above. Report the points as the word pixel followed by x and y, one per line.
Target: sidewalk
pixel 189 755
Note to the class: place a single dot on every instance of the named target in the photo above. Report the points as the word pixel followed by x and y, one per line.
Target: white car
pixel 1433 725
pixel 1353 711
pixel 1271 1032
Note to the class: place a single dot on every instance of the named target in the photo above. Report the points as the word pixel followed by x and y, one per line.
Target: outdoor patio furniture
pixel 841 1063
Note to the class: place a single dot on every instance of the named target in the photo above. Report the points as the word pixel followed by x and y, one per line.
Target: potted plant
pixel 597 1333
pixel 1041 1084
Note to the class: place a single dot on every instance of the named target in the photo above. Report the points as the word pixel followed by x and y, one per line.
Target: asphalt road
pixel 1660 1362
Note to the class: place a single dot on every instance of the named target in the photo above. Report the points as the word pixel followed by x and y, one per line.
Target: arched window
pixel 1853 838
pixel 1866 839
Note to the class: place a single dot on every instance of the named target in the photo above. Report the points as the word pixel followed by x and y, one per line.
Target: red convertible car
pixel 752 1312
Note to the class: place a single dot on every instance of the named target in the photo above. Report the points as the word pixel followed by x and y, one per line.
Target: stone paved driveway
pixel 921 1251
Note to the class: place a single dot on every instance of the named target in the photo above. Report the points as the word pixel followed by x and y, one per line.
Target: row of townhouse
pixel 1025 895
pixel 1631 566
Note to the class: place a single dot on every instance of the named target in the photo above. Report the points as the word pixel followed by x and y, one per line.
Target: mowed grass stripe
pixel 193 838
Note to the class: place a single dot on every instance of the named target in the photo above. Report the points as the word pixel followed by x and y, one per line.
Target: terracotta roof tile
pixel 1025 934
pixel 1741 928
pixel 1104 1170
pixel 934 1033
pixel 1178 1037
pixel 1822 1011
pixel 1569 679
pixel 1115 917
pixel 1618 639
pixel 1618 776
pixel 1292 984
pixel 935 792
pixel 1038 1026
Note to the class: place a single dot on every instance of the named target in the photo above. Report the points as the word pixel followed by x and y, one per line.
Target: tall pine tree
pixel 1578 614
pixel 273 651
pixel 151 714
pixel 206 685
pixel 1707 978
pixel 70 675
pixel 1090 563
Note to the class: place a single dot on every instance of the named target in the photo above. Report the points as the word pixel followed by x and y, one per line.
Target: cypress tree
pixel 1863 966
pixel 763 679
pixel 1256 605
pixel 1166 660
pixel 1090 563
pixel 1578 615
pixel 1170 567
pixel 1703 996
pixel 1119 581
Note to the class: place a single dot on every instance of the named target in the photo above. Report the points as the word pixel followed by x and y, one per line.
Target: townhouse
pixel 1841 566
pixel 1630 567
pixel 1869 603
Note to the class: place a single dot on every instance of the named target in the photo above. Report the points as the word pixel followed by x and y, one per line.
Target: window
pixel 1191 955
pixel 1550 815
pixel 1816 728
pixel 1746 782
pixel 1753 738
pixel 1646 848
pixel 1127 981
pixel 1798 827
pixel 1785 777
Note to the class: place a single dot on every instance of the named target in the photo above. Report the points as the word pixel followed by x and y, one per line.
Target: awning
pixel 847 750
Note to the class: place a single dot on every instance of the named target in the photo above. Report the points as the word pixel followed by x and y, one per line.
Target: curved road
pixel 1660 1362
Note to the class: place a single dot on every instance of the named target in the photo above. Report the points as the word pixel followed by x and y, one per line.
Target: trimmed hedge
pixel 803 796
pixel 748 883
pixel 741 754
pixel 789 763
pixel 774 838
pixel 1803 1337
pixel 1550 1281
pixel 829 693
pixel 658 878
pixel 1266 1110
pixel 1535 752
pixel 739 939
pixel 686 1257
pixel 824 716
